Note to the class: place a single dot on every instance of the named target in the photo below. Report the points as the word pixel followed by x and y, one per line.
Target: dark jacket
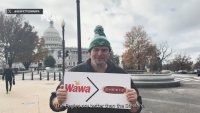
pixel 86 67
pixel 8 74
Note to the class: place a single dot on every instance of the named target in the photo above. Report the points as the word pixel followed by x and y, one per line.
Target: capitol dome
pixel 52 37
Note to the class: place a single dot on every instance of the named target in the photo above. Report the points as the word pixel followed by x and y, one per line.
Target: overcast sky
pixel 174 21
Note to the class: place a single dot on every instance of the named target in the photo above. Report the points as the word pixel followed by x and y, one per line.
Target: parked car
pixel 198 72
pixel 182 72
pixel 50 70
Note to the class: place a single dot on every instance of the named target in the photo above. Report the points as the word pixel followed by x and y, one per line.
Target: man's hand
pixel 132 98
pixel 61 95
pixel 56 105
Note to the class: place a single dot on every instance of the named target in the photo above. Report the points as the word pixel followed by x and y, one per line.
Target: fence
pixel 40 76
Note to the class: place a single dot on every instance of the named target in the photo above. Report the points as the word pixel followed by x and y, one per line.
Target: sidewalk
pixel 28 96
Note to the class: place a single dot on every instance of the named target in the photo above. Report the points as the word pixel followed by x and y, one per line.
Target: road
pixel 183 99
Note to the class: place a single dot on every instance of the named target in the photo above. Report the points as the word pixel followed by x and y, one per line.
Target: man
pixel 99 62
pixel 9 76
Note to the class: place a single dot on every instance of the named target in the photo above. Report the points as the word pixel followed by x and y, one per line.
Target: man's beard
pixel 100 61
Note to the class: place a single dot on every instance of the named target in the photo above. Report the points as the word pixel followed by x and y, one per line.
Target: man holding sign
pixel 99 63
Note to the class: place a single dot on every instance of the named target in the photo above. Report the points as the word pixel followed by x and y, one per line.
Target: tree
pixel 1 53
pixel 163 52
pixel 114 58
pixel 197 64
pixel 137 43
pixel 153 59
pixel 21 37
pixel 8 27
pixel 168 66
pixel 49 61
pixel 41 51
pixel 128 59
pixel 26 41
pixel 181 62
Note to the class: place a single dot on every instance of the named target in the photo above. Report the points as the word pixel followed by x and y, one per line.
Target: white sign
pixel 99 90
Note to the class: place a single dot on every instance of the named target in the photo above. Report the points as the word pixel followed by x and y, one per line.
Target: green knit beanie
pixel 99 38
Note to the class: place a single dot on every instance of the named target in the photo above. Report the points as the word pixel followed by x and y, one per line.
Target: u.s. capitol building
pixel 53 42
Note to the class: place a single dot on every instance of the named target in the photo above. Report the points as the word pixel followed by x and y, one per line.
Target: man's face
pixel 99 55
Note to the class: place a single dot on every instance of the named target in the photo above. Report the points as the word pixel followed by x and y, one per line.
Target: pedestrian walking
pixel 9 77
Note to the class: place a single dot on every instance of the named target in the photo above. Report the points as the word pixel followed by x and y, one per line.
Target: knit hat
pixel 99 38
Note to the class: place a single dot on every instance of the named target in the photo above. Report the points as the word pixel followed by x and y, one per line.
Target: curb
pixel 155 81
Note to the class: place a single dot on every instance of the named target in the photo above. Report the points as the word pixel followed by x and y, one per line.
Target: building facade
pixel 72 59
pixel 53 42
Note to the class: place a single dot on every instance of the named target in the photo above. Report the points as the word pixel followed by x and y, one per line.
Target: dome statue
pixel 52 37
pixel 53 42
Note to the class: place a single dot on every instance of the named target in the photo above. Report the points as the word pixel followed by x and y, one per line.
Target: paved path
pixel 27 96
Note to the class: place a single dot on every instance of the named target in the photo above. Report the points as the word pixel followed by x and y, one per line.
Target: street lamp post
pixel 79 32
pixel 63 46
pixel 6 53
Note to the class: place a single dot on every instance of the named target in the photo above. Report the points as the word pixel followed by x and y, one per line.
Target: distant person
pixel 9 76
pixel 98 62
